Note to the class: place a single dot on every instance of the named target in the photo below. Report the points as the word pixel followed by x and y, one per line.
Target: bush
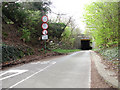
pixel 110 53
pixel 11 53
pixel 25 34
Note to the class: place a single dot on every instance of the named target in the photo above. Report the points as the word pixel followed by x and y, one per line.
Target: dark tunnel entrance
pixel 85 44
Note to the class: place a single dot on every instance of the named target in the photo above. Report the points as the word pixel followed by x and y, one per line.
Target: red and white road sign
pixel 44 18
pixel 44 32
pixel 44 26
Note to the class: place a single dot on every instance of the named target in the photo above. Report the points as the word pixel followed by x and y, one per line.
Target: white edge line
pixel 90 75
pixel 29 77
pixel 13 74
pixel 90 68
pixel 3 73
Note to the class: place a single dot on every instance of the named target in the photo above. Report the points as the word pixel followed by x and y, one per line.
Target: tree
pixel 43 6
pixel 102 21
pixel 27 16
pixel 55 30
pixel 14 12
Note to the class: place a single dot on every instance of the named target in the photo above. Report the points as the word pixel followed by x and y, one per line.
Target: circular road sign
pixel 44 18
pixel 44 32
pixel 44 26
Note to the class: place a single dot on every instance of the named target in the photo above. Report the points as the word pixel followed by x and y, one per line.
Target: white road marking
pixel 74 53
pixel 53 62
pixel 43 62
pixel 16 72
pixel 30 76
pixel 35 62
pixel 90 75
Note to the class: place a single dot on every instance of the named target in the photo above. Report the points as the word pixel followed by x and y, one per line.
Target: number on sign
pixel 44 18
pixel 44 25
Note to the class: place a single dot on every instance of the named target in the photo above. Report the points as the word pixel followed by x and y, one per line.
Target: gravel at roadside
pixel 97 81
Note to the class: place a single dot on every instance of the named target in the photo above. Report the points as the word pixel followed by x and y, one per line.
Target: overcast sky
pixel 73 8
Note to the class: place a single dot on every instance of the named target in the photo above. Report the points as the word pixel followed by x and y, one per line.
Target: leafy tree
pixel 55 30
pixel 27 15
pixel 43 6
pixel 102 21
pixel 14 12
pixel 67 40
pixel 26 34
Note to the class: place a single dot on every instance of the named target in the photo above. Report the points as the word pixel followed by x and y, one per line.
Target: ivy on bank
pixel 11 53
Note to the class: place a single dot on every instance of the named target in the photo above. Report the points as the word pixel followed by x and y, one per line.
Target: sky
pixel 74 8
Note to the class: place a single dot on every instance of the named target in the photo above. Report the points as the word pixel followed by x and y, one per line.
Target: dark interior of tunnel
pixel 85 45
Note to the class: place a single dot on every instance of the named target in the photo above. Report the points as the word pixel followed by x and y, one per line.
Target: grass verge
pixel 65 50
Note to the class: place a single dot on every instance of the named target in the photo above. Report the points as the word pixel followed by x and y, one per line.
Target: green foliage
pixel 25 34
pixel 102 21
pixel 4 34
pixel 27 17
pixel 65 50
pixel 109 53
pixel 11 53
pixel 66 34
pixel 43 6
pixel 55 30
pixel 14 12
pixel 67 39
pixel 42 49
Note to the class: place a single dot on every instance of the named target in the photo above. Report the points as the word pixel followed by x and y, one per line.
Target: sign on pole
pixel 44 26
pixel 44 37
pixel 44 18
pixel 44 32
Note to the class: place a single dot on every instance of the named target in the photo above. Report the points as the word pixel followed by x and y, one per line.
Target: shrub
pixel 10 53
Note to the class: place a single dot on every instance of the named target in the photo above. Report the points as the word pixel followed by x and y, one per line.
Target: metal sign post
pixel 45 37
pixel 45 32
pixel 45 46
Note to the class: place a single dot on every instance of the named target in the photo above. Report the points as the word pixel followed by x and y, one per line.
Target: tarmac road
pixel 71 71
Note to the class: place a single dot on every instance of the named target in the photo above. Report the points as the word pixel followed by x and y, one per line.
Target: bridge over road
pixel 84 42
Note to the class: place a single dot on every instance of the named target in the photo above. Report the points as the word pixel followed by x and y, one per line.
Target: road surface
pixel 71 71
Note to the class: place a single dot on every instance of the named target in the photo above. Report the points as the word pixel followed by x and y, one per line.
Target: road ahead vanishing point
pixel 71 71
